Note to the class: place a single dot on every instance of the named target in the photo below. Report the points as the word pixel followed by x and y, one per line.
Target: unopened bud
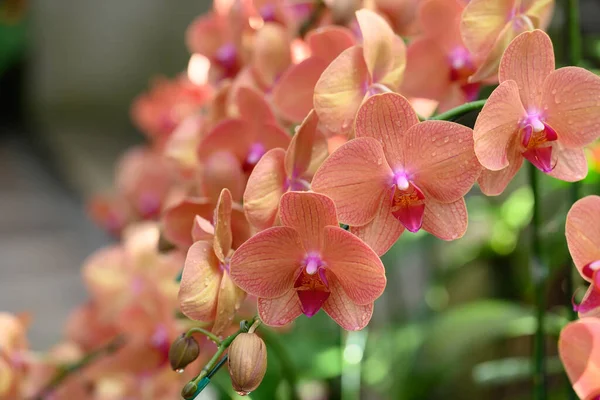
pixel 247 362
pixel 189 390
pixel 183 351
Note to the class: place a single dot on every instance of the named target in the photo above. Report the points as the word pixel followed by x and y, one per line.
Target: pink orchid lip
pixel 267 12
pixel 590 269
pixel 257 150
pixel 536 136
pixel 148 204
pixel 408 205
pixel 311 285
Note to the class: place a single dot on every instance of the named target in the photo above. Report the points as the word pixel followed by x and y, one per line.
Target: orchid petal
pixel 202 229
pixel 378 42
pixel 394 76
pixel 341 89
pixel 308 214
pixel 358 194
pixel 579 349
pixel 355 265
pixel 222 169
pixel 328 42
pixel 230 298
pixel 265 187
pixel 223 238
pixel 204 35
pixel 228 135
pixel 481 23
pixel 528 61
pixel 571 101
pixel 103 274
pixel 252 106
pixel 493 183
pixel 178 220
pixel 281 310
pixel 386 117
pixel 447 221
pixel 497 126
pixel 344 311
pixel 441 19
pixel 266 264
pixel 200 282
pixel 571 164
pixel 489 62
pixel 271 54
pixel 427 72
pixel 583 232
pixel 307 150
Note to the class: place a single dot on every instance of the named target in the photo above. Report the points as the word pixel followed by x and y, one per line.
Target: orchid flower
pixel 307 264
pixel 537 113
pixel 400 174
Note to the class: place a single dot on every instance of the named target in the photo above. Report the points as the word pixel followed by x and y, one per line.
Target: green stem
pixel 318 10
pixel 285 362
pixel 459 111
pixel 352 363
pixel 574 31
pixel 206 333
pixel 68 370
pixel 538 276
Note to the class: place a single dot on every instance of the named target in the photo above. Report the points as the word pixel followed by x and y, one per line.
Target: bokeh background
pixel 455 321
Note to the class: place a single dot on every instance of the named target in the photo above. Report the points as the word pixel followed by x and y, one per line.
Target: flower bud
pixel 183 351
pixel 189 390
pixel 247 362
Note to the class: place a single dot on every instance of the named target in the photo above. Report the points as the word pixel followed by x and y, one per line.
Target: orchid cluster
pixel 302 142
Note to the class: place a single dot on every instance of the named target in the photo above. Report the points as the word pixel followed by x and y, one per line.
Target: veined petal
pixel 497 125
pixel 572 98
pixel 489 62
pixel 222 169
pixel 230 298
pixel 202 229
pixel 378 42
pixel 341 89
pixel 441 160
pixel 579 349
pixel 528 60
pixel 357 194
pixel 583 232
pixel 252 106
pixel 493 183
pixel 266 264
pixel 383 231
pixel 571 164
pixel 281 310
pixel 223 237
pixel 307 150
pixel 328 42
pixel 231 135
pixel 447 221
pixel 308 214
pixel 355 265
pixel 395 74
pixel 265 187
pixel 200 282
pixel 293 93
pixel 481 23
pixel 427 72
pixel 271 54
pixel 386 117
pixel 344 311
pixel 539 11
pixel 177 221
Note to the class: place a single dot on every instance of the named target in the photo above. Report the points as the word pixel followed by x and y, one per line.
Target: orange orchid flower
pixel 13 355
pixel 438 63
pixel 543 115
pixel 307 264
pixel 207 292
pixel 360 71
pixel 579 349
pixel 402 14
pixel 488 27
pixel 399 173
pixel 271 54
pixel 279 171
pixel 583 237
pixel 293 93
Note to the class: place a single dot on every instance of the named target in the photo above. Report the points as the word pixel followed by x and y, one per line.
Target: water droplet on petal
pixel 446 139
pixel 179 371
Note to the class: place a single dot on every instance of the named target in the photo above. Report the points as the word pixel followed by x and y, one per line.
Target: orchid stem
pixel 539 274
pixel 459 111
pixel 574 32
pixel 66 371
pixel 206 333
pixel 285 362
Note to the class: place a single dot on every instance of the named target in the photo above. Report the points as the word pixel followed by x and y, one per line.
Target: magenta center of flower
pixel 226 58
pixel 148 204
pixel 311 284
pixel 461 68
pixel 536 138
pixel 267 12
pixel 257 150
pixel 408 202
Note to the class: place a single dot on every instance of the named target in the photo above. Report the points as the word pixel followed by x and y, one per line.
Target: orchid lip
pixel 591 268
pixel 401 180
pixel 257 150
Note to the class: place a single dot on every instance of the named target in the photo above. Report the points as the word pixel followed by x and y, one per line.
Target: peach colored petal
pixel 583 232
pixel 441 161
pixel 271 54
pixel 528 61
pixel 355 265
pixel 497 125
pixel 202 229
pixel 252 106
pixel 200 282
pixel 103 273
pixel 383 231
pixel 178 220
pixel 266 264
pixel 307 150
pixel 539 11
pixel 265 187
pixel 228 135
pixel 240 228
pixel 293 93
pixel 340 90
pixel 427 72
pixel 181 145
pixel 378 42
pixel 447 221
pixel 441 19
pixel 395 74
pixel 481 23
pixel 204 35
pixel 223 238
pixel 357 194
pixel 222 169
pixel 328 42
pixel 571 164
pixel 493 183
pixel 572 98
pixel 344 311
pixel 308 214
pixel 579 349
pixel 230 298
pixel 281 310
pixel 386 117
